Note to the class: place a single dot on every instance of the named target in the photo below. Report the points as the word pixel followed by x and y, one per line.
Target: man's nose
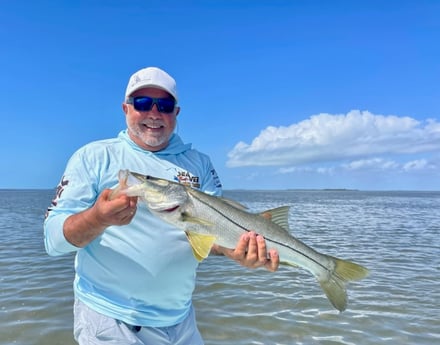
pixel 155 110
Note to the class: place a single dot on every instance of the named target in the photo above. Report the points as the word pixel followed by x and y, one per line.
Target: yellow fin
pixel 186 217
pixel 200 244
pixel 278 216
pixel 291 264
pixel 348 270
pixel 334 287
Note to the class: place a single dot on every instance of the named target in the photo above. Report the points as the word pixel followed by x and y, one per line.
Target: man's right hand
pixel 82 228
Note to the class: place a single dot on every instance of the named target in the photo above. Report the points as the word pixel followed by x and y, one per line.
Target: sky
pixel 280 94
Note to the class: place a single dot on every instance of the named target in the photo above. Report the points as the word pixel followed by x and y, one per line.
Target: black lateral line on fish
pixel 267 239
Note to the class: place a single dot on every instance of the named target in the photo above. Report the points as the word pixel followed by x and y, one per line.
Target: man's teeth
pixel 153 126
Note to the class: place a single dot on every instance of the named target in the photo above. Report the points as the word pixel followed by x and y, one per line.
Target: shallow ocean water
pixel 394 234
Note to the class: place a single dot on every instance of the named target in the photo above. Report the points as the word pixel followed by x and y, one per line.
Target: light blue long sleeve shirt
pixel 142 273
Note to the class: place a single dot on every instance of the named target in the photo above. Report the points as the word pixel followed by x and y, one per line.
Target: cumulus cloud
pixel 420 164
pixel 357 135
pixel 373 163
pixel 306 169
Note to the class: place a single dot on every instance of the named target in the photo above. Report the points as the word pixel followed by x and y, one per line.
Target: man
pixel 135 274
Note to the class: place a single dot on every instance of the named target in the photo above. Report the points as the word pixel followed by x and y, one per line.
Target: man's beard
pixel 149 139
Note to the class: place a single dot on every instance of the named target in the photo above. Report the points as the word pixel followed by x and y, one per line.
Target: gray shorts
pixel 92 328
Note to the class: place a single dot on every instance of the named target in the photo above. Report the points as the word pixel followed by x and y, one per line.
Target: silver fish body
pixel 207 219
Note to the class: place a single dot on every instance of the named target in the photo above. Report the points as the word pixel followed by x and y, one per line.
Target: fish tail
pixel 334 286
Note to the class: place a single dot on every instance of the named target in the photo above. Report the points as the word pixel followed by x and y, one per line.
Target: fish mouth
pixel 165 209
pixel 171 209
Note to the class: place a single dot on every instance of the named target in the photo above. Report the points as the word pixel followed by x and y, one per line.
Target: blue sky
pixel 280 94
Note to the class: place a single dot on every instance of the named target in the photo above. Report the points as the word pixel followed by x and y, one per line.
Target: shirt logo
pixel 185 178
pixel 60 188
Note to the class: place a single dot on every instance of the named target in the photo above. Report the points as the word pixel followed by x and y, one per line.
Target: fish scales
pixel 234 222
pixel 207 219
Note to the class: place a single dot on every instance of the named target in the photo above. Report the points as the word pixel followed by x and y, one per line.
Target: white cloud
pixel 420 164
pixel 295 170
pixel 307 169
pixel 357 135
pixel 373 163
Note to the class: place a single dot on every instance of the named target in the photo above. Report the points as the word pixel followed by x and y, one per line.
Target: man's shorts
pixel 93 328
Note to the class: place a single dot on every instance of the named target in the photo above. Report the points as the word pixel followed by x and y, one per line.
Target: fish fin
pixel 128 185
pixel 278 216
pixel 334 287
pixel 186 217
pixel 234 203
pixel 201 244
pixel 122 186
pixel 288 263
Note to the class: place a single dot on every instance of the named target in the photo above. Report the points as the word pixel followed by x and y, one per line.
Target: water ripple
pixel 394 234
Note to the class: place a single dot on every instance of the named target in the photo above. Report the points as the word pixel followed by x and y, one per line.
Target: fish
pixel 208 220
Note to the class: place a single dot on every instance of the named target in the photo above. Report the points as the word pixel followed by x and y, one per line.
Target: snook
pixel 208 219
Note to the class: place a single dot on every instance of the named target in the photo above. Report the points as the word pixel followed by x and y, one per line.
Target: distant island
pixel 340 190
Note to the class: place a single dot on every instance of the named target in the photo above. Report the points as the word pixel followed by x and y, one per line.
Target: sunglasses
pixel 145 103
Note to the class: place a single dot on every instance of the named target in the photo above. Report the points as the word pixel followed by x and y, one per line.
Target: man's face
pixel 150 129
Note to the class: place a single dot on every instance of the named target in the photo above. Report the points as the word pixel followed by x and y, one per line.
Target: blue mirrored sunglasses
pixel 145 103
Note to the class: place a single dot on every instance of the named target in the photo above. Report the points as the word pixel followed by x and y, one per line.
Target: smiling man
pixel 134 273
pixel 151 108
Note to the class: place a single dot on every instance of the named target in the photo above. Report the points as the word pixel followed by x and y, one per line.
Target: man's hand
pixel 114 211
pixel 82 228
pixel 251 252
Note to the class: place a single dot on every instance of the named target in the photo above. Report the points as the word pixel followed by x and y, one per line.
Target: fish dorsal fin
pixel 234 203
pixel 278 216
pixel 186 217
pixel 201 244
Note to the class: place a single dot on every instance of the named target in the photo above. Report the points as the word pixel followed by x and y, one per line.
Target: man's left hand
pixel 251 252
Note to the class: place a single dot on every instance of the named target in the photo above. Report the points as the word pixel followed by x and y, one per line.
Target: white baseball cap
pixel 151 77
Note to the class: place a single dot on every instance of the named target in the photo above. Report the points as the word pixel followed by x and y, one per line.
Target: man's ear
pixel 124 108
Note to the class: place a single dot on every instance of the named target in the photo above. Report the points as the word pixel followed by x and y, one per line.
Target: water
pixel 394 234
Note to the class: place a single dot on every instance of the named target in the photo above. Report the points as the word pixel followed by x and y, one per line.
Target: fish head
pixel 159 194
